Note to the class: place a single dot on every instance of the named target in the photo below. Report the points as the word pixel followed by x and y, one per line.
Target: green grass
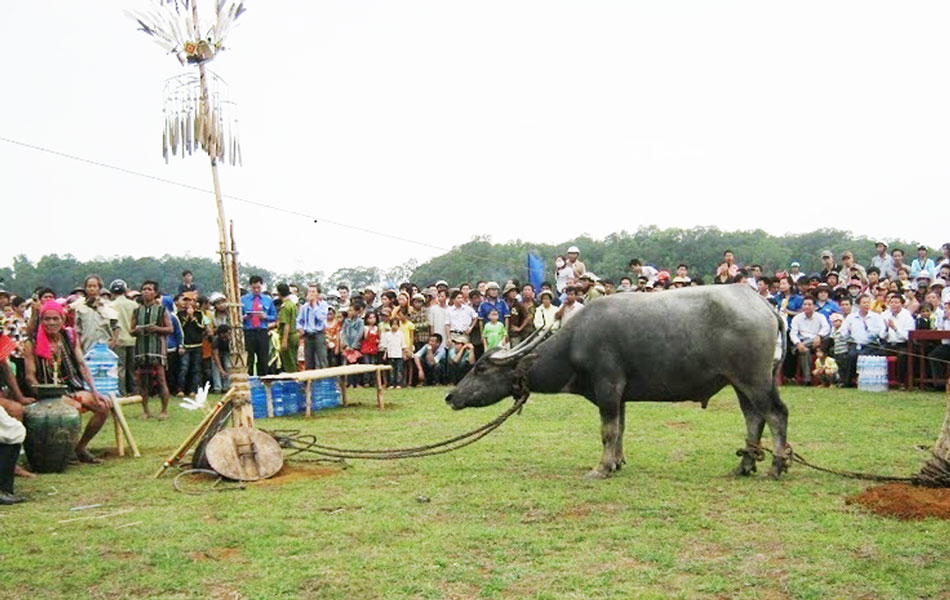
pixel 508 517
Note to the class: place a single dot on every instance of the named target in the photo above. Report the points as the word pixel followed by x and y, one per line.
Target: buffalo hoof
pixel 778 467
pixel 596 474
pixel 745 468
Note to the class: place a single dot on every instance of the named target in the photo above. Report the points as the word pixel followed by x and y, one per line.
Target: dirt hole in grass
pixel 290 473
pixel 905 502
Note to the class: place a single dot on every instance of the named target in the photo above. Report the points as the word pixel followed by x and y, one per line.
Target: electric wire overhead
pixel 289 211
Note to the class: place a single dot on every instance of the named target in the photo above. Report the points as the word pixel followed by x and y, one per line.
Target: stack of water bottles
pixel 324 393
pixel 290 397
pixel 103 364
pixel 872 373
pixel 258 398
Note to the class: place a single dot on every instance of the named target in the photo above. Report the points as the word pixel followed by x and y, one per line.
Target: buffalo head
pixel 494 376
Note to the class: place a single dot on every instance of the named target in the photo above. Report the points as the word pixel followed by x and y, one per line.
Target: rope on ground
pixel 218 485
pixel 798 458
pixel 935 474
pixel 308 443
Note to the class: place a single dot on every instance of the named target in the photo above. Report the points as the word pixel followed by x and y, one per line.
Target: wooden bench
pixel 312 375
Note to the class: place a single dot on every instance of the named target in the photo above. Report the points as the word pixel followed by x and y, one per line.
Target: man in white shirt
pixel 849 268
pixel 898 323
pixel 573 260
pixel 882 260
pixel 570 307
pixel 795 271
pixel 641 270
pixel 545 315
pixel 460 318
pixel 438 316
pixel 864 330
pixel 808 330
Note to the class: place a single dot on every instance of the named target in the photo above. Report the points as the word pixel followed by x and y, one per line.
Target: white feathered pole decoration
pixel 198 117
pixel 175 26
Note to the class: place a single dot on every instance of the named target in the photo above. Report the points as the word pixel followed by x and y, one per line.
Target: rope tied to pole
pixel 756 451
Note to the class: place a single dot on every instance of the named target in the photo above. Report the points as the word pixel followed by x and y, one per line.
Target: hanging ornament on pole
pixel 199 114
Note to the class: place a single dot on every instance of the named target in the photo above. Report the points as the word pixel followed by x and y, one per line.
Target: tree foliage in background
pixel 63 273
pixel 479 259
pixel 700 247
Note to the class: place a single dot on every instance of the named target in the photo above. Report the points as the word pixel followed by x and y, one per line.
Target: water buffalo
pixel 672 346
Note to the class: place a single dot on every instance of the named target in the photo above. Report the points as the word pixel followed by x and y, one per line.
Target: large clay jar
pixel 52 430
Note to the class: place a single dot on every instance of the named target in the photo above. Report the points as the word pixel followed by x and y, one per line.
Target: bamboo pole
pixel 379 390
pixel 308 397
pixel 195 434
pixel 119 417
pixel 942 447
pixel 243 414
pixel 269 396
pixel 119 445
pixel 128 400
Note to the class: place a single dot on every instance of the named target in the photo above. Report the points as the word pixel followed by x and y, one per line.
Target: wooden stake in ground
pixel 942 447
pixel 123 426
pixel 936 473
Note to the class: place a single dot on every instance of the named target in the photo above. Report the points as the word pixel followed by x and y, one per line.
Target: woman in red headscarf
pixel 53 357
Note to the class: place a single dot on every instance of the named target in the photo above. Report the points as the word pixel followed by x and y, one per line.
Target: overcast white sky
pixel 443 120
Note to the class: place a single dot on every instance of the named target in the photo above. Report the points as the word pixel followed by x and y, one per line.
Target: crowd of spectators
pixel 174 343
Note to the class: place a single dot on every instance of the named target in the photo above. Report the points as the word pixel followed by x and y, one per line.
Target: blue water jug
pixel 289 394
pixel 258 398
pixel 103 364
pixel 324 393
pixel 277 398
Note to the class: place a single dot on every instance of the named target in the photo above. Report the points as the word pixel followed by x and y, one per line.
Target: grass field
pixel 509 517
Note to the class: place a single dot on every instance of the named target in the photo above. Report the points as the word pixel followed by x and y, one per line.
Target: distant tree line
pixel 63 273
pixel 700 247
pixel 479 259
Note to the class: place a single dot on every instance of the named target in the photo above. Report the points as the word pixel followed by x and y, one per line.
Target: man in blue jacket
pixel 259 315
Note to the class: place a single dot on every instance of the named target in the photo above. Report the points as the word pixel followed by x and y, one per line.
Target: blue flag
pixel 535 271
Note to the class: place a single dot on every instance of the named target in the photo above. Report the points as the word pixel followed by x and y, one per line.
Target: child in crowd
pixel 332 336
pixel 395 343
pixel 825 373
pixel 351 339
pixel 385 315
pixel 370 345
pixel 840 347
pixel 406 328
pixel 924 318
pixel 221 359
pixel 494 333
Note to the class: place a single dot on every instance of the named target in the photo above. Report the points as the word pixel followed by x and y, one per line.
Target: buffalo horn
pixel 527 345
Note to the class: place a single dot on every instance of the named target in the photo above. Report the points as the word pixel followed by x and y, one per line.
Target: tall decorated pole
pixel 199 115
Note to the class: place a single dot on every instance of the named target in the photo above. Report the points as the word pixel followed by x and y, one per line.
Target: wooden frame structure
pixel 331 372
